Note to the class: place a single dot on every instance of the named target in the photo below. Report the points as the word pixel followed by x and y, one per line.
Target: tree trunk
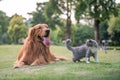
pixel 96 31
pixel 68 28
pixel 68 23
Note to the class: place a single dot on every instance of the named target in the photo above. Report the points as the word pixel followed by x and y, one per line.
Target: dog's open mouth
pixel 45 39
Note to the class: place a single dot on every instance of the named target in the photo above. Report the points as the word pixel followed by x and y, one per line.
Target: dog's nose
pixel 47 31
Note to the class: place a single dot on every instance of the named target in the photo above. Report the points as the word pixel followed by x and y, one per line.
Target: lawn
pixel 108 67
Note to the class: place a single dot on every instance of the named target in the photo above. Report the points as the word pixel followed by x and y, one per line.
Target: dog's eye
pixel 39 28
pixel 46 26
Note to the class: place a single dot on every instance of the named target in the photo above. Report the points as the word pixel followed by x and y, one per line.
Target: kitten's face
pixel 91 43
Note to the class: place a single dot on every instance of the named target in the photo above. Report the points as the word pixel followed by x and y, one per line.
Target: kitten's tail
pixel 67 43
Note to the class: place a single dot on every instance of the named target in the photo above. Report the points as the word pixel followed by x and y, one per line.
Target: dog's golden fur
pixel 34 51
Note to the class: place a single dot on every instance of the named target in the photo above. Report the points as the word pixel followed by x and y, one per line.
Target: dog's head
pixel 40 32
pixel 91 43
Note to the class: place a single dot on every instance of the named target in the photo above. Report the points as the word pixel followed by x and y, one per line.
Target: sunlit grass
pixel 108 67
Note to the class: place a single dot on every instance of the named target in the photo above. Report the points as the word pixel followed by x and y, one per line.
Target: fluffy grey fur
pixel 86 50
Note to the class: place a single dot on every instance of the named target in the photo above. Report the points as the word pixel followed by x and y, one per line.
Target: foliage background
pixel 13 29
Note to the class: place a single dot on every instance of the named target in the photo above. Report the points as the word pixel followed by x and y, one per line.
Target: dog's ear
pixel 31 32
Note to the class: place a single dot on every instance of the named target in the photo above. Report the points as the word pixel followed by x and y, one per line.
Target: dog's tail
pixel 67 43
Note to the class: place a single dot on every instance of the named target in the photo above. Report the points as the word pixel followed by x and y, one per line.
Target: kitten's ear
pixel 90 40
pixel 87 40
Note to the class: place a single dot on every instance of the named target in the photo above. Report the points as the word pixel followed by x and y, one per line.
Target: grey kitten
pixel 90 48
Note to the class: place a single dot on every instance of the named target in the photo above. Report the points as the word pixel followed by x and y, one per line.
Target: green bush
pixel 81 33
pixel 57 36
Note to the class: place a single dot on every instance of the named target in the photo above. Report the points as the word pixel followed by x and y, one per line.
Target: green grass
pixel 108 67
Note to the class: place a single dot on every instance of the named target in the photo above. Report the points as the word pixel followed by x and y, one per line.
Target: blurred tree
pixel 99 10
pixel 46 13
pixel 114 30
pixel 65 6
pixel 57 36
pixel 118 7
pixel 4 21
pixel 38 15
pixel 51 12
pixel 104 35
pixel 17 28
pixel 81 33
pixel 0 34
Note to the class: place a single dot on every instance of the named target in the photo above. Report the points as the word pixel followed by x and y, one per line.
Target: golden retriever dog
pixel 36 49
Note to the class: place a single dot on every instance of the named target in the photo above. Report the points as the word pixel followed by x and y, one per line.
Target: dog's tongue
pixel 47 42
